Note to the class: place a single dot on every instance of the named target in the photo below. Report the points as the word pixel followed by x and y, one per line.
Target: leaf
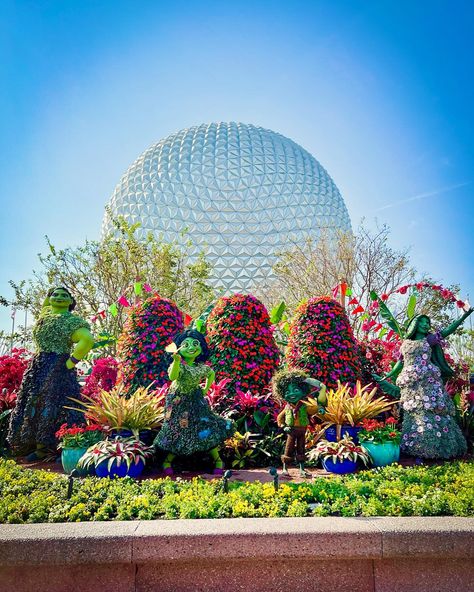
pixel 276 314
pixel 385 313
pixel 411 306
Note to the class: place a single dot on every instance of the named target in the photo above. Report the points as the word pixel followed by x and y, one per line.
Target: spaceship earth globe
pixel 242 193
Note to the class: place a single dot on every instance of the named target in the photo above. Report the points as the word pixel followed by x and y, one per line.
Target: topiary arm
pixel 84 342
pixel 451 328
pixel 173 370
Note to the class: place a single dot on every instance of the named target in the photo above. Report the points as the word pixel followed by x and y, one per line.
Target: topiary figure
pixel 242 345
pixel 151 325
pixel 322 343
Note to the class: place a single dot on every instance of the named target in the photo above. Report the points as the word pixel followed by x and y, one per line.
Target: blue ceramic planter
pixel 101 470
pixel 341 468
pixel 331 434
pixel 134 470
pixel 382 453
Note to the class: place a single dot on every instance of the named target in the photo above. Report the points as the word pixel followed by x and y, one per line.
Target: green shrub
pixel 41 496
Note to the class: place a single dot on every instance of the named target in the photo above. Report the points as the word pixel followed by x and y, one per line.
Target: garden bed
pixel 41 496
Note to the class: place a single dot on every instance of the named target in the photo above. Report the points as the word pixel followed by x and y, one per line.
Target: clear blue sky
pixel 380 92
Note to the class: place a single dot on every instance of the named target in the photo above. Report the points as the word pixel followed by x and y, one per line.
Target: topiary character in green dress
pixel 190 425
pixel 50 377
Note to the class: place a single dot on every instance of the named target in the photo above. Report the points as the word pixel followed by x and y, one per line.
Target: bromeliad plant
pixel 143 410
pixel 380 432
pixel 346 406
pixel 78 436
pixel 129 451
pixel 344 449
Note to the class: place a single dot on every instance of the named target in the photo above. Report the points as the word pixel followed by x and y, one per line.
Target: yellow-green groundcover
pixel 41 496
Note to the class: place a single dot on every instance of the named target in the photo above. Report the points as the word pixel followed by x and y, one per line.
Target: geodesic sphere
pixel 242 193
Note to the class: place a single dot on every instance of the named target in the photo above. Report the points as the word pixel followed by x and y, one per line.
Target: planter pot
pixel 101 470
pixel 136 470
pixel 341 467
pixel 382 453
pixel 331 433
pixel 123 433
pixel 70 457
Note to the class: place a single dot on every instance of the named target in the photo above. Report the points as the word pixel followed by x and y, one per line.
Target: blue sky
pixel 380 92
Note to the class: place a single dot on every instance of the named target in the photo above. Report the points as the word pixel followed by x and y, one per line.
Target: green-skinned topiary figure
pixel 242 344
pixel 151 325
pixel 322 343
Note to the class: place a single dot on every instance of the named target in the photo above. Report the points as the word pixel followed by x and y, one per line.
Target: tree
pixel 364 260
pixel 99 272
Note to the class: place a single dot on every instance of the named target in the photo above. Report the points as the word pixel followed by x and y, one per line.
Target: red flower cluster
pixel 12 368
pixel 242 344
pixel 78 436
pixel 103 376
pixel 379 431
pixel 151 325
pixel 322 343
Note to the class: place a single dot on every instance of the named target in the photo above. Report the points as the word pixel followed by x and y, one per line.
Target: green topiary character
pixel 292 387
pixel 322 343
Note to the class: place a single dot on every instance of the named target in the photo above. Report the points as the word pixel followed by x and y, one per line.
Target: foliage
pixel 103 376
pixel 344 449
pixel 242 344
pixel 28 496
pixel 142 410
pixel 346 406
pixel 465 416
pixel 379 432
pixel 78 436
pixel 98 273
pixel 322 343
pixel 151 325
pixel 12 368
pixel 129 451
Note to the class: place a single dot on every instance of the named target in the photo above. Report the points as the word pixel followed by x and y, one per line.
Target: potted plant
pixel 74 442
pixel 381 440
pixel 117 458
pixel 125 414
pixel 346 408
pixel 339 457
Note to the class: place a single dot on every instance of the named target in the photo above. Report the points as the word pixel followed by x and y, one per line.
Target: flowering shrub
pixel 380 432
pixel 151 325
pixel 29 496
pixel 103 376
pixel 242 344
pixel 322 343
pixel 217 394
pixel 459 383
pixel 12 368
pixel 78 436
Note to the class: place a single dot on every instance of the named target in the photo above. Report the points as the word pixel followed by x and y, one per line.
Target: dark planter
pixel 331 434
pixel 341 468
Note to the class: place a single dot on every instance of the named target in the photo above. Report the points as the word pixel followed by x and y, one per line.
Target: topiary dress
pixel 429 426
pixel 190 425
pixel 47 384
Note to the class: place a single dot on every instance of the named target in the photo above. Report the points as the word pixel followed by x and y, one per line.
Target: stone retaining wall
pixel 287 554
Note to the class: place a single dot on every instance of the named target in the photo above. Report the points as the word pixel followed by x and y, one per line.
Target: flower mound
pixel 243 348
pixel 322 343
pixel 151 325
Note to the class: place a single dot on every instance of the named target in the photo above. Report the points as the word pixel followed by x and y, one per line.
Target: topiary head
pixel 290 385
pixel 191 338
pixel 62 297
pixel 418 324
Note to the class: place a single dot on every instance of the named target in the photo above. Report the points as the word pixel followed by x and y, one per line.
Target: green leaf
pixel 411 306
pixel 276 315
pixel 386 314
